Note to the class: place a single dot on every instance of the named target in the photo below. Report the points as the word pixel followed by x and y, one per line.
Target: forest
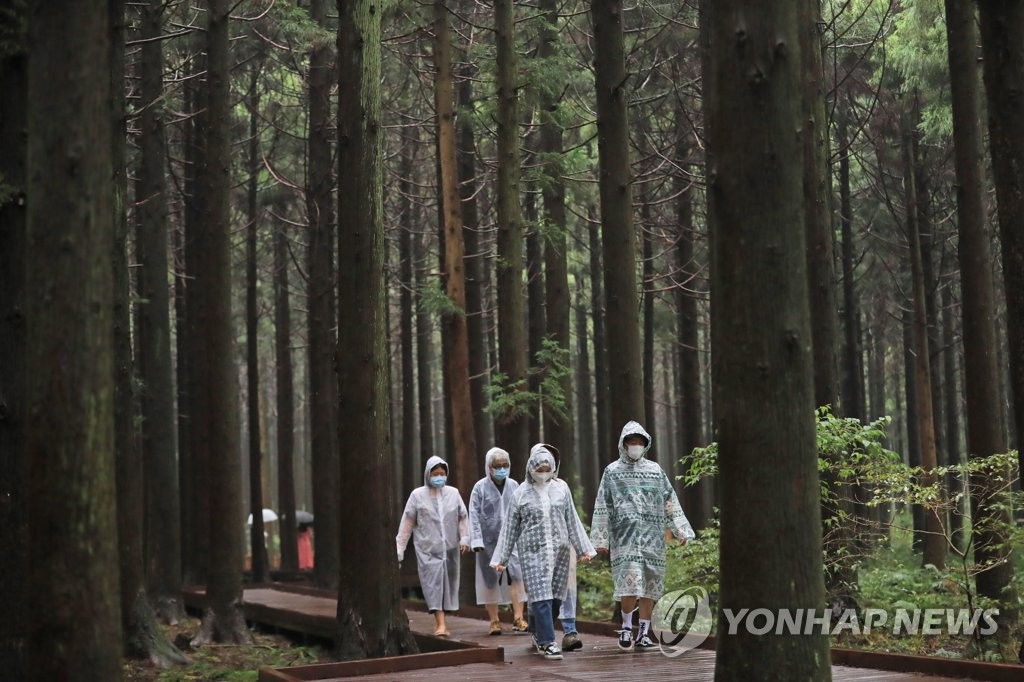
pixel 275 254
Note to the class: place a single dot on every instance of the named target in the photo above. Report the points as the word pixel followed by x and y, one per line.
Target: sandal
pixel 441 632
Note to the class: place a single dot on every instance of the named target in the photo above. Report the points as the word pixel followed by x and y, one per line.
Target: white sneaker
pixel 551 652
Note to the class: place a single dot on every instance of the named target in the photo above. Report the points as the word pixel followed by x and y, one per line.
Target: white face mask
pixel 542 476
pixel 635 452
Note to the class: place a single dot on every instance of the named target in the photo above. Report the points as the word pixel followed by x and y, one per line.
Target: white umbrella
pixel 268 515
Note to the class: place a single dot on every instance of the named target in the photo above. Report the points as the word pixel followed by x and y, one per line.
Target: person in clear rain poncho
pixel 436 518
pixel 635 505
pixel 491 496
pixel 542 525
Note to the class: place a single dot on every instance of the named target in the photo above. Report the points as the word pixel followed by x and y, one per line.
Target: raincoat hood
pixel 431 463
pixel 492 455
pixel 633 428
pixel 539 454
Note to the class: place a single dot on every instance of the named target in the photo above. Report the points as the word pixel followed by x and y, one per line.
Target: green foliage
pixel 889 575
pixel 433 300
pixel 508 400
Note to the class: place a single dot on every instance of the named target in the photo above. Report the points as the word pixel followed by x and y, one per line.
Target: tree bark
pixel 588 470
pixel 606 435
pixel 192 401
pixel 163 512
pixel 647 353
pixel 217 438
pixel 558 426
pixel 477 316
pixel 285 405
pixel 371 621
pixel 257 545
pixel 625 384
pixel 536 321
pixel 934 541
pixel 320 315
pixel 424 353
pixel 985 412
pixel 14 537
pixel 466 463
pixel 511 426
pixel 762 348
pixel 405 303
pixel 73 572
pixel 695 499
pixel 1002 46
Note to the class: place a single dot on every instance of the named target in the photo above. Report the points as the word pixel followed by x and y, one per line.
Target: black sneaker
pixel 550 652
pixel 645 643
pixel 572 642
pixel 626 639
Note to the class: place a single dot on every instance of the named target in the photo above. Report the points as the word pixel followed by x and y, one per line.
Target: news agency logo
pixel 681 621
pixel 908 620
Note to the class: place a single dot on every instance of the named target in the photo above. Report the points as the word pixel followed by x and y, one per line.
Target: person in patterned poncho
pixel 635 505
pixel 541 524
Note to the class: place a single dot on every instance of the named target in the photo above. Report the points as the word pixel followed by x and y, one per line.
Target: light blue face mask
pixel 501 474
pixel 438 481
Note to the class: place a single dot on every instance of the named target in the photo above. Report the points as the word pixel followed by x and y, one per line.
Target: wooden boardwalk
pixel 600 659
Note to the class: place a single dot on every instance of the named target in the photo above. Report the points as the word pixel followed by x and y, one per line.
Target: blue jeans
pixel 543 621
pixel 567 613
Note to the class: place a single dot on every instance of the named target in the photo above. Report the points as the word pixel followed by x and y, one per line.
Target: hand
pixel 499 568
pixel 585 557
pixel 682 542
pixel 463 549
pixel 602 551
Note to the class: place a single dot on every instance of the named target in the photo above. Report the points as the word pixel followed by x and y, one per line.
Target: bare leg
pixel 439 626
pixel 492 611
pixel 646 608
pixel 628 604
pixel 518 602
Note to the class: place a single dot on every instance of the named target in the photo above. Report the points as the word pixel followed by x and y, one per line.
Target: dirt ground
pixel 228 662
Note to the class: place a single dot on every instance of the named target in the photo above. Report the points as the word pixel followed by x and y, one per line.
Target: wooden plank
pixel 929 665
pixel 379 666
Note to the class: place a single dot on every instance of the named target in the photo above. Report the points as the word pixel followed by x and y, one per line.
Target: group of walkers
pixel 528 537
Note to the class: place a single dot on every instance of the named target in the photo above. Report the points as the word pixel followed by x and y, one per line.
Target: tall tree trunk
pixel 320 315
pixel 406 312
pixel 371 621
pixel 913 434
pixel 141 636
pixel 558 424
pixel 606 436
pixel 511 426
pixel 696 499
pixel 840 577
pixel 648 322
pixel 285 405
pixel 476 274
pixel 424 353
pixel 587 469
pixel 951 397
pixel 192 401
pixel 934 546
pixel 162 505
pixel 625 383
pixel 769 475
pixel 73 572
pixel 466 463
pixel 1002 46
pixel 985 413
pixel 853 373
pixel 14 537
pixel 257 546
pixel 217 438
pixel 536 321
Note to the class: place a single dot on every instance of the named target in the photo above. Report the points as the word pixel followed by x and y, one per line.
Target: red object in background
pixel 305 540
